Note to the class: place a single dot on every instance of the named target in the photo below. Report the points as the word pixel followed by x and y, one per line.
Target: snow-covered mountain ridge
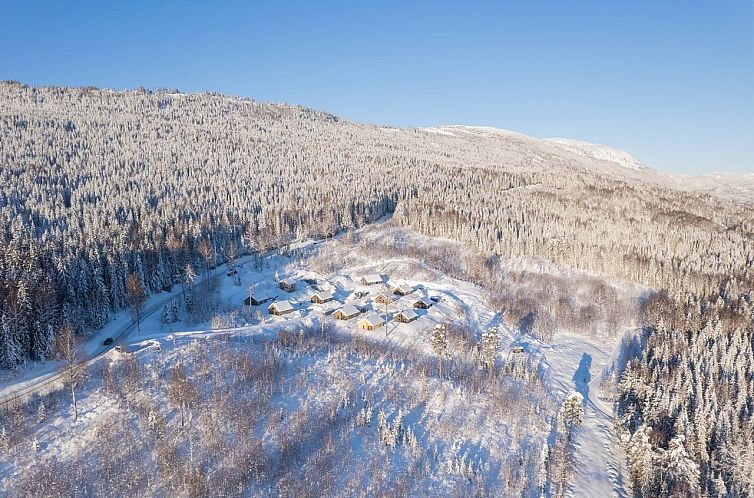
pixel 604 159
pixel 600 152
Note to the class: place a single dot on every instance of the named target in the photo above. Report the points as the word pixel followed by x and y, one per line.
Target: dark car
pixel 108 341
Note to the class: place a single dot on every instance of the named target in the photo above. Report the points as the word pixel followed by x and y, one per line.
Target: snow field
pixel 302 403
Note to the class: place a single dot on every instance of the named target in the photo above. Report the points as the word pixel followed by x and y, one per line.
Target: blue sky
pixel 672 82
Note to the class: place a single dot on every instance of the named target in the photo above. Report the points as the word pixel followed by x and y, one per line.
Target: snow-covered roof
pixel 408 314
pixel 373 320
pixel 372 278
pixel 284 305
pixel 349 310
pixel 403 289
pixel 425 301
pixel 322 295
pixel 260 294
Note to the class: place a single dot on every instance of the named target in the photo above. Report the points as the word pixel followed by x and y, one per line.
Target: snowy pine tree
pixel 682 472
pixel 572 412
pixel 41 412
pixel 166 318
pixel 439 342
pixel 490 344
pixel 174 312
pixel 11 353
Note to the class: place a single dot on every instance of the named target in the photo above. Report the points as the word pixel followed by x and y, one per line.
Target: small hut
pixel 280 308
pixel 288 285
pixel 371 322
pixel 381 298
pixel 346 312
pixel 372 279
pixel 256 300
pixel 422 303
pixel 402 290
pixel 321 297
pixel 406 316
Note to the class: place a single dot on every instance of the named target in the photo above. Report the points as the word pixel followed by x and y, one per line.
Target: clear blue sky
pixel 670 81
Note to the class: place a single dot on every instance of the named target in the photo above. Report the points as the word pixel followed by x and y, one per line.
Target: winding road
pixel 15 394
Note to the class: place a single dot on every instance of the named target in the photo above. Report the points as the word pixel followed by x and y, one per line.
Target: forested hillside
pixel 97 186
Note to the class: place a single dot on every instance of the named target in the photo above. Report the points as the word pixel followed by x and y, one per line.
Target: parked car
pixel 108 341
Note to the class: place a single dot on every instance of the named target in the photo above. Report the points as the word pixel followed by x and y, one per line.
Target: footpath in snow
pixel 573 363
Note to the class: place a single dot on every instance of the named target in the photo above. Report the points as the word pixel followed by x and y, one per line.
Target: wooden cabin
pixel 288 285
pixel 381 298
pixel 372 279
pixel 256 300
pixel 517 349
pixel 406 316
pixel 321 297
pixel 402 290
pixel 422 304
pixel 280 308
pixel 371 322
pixel 346 312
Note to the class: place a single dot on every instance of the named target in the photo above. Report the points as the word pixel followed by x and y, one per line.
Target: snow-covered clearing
pixel 572 363
pixel 258 404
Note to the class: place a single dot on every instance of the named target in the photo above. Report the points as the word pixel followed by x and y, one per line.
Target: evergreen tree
pixel 439 342
pixel 572 412
pixel 490 344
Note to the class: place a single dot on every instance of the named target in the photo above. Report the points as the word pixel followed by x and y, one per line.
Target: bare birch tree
pixel 75 363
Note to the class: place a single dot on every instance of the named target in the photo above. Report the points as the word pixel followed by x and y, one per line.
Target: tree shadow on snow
pixel 583 376
pixel 526 324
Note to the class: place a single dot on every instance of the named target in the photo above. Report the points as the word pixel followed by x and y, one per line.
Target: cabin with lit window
pixel 371 322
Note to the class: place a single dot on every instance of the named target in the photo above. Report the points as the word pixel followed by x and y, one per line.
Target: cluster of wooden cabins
pixel 349 311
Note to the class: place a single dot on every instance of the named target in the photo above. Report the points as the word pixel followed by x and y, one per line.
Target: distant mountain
pixel 607 160
pixel 599 152
pixel 735 186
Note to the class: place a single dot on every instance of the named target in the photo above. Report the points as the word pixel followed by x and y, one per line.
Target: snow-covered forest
pixel 107 197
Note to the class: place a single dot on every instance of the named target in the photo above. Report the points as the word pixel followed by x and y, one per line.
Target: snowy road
pixel 50 377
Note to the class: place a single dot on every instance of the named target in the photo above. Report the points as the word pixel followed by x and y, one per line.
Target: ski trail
pixel 573 363
pixel 598 468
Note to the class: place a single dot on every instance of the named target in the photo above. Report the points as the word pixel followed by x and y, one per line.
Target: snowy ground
pixel 571 364
pixel 453 421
